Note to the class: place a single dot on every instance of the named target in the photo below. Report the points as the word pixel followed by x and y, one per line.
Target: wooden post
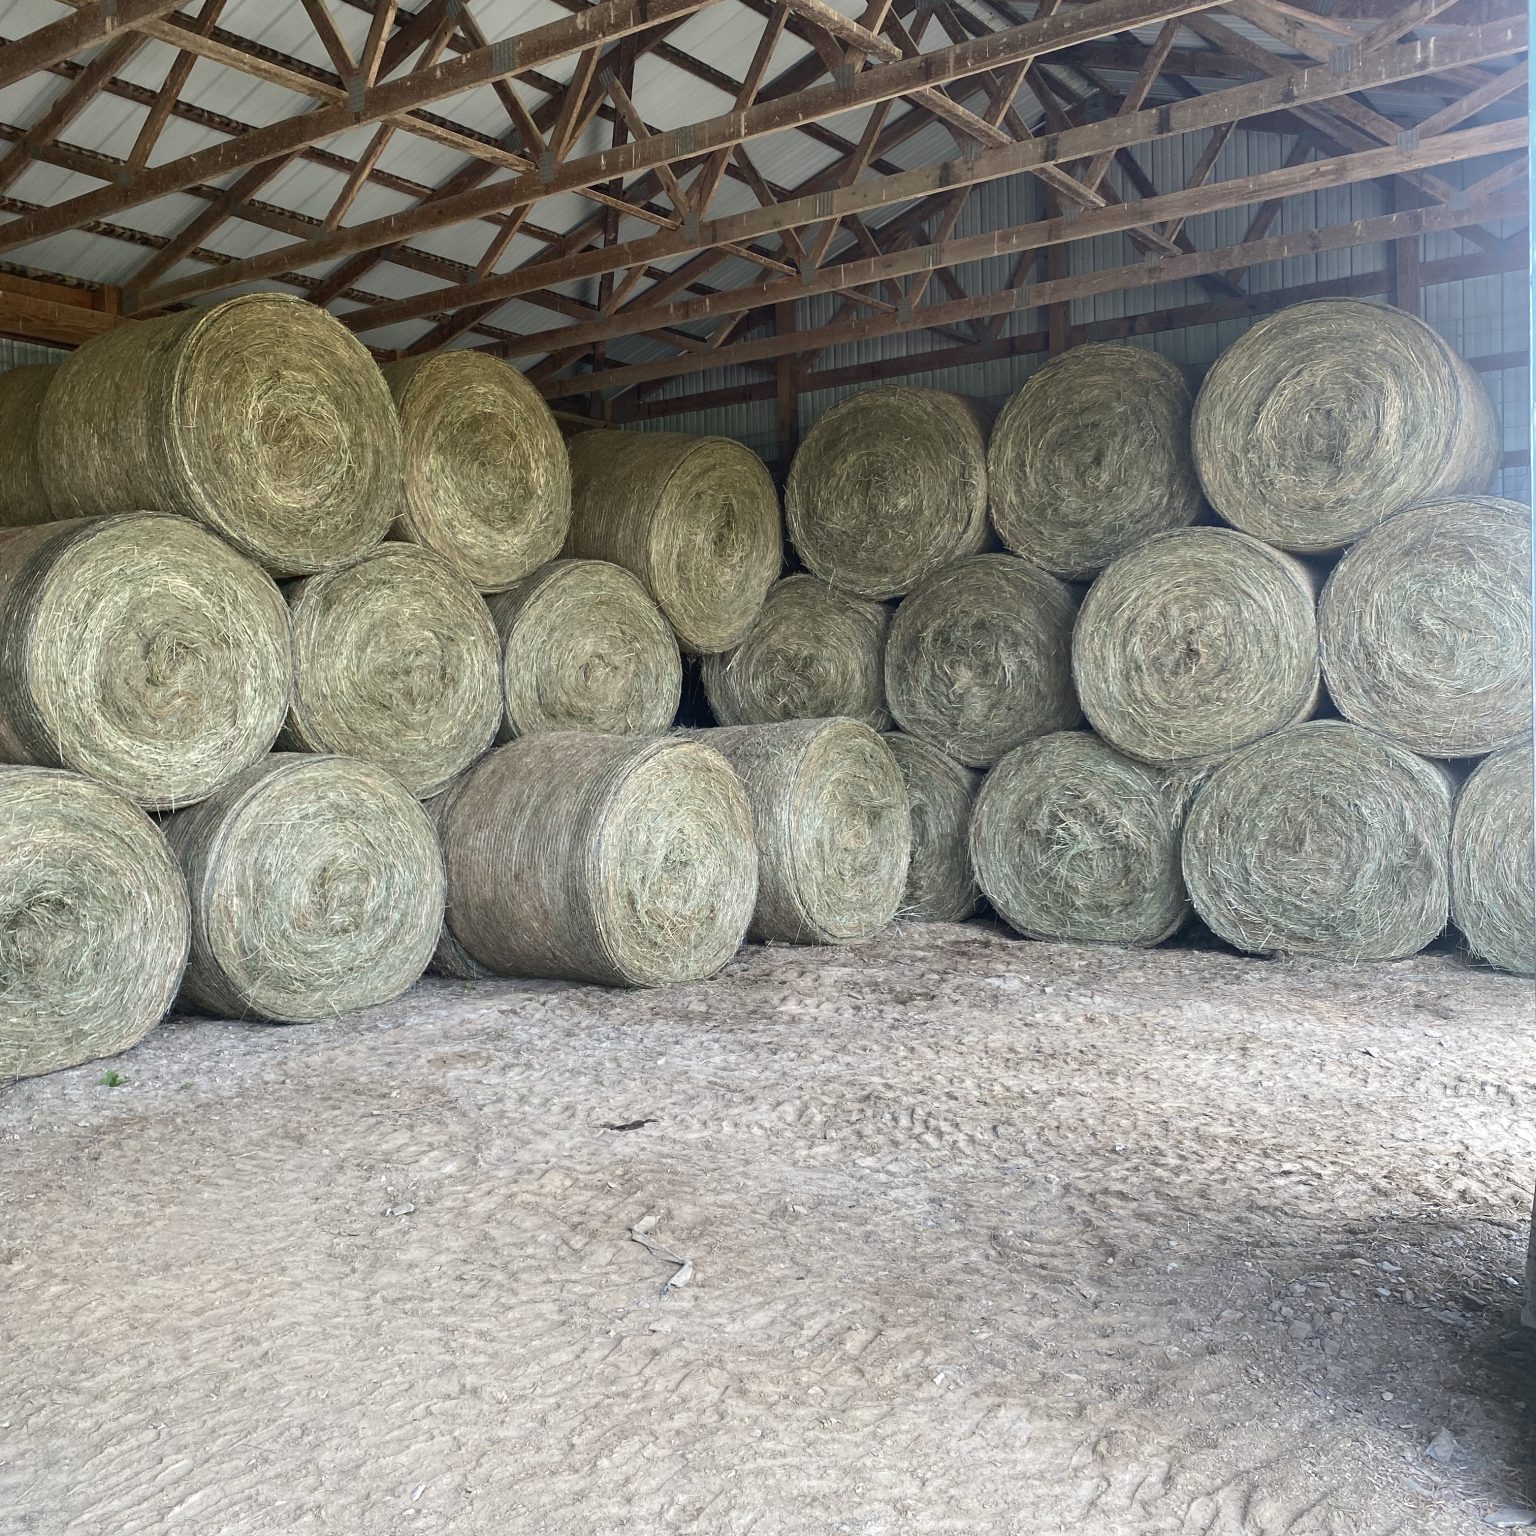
pixel 786 388
pixel 1406 284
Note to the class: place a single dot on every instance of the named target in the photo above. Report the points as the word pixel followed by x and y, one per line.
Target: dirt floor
pixel 985 1236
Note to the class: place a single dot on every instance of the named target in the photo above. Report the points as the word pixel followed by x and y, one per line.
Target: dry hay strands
pixel 23 496
pixel 317 888
pixel 141 650
pixel 450 958
pixel 979 658
pixel 1091 456
pixel 1493 862
pixel 487 477
pixel 887 487
pixel 395 660
pixel 1072 841
pixel 600 858
pixel 263 417
pixel 812 652
pixel 695 518
pixel 941 885
pixel 1195 643
pixel 1426 627
pixel 584 648
pixel 1326 839
pixel 1329 416
pixel 93 922
pixel 834 831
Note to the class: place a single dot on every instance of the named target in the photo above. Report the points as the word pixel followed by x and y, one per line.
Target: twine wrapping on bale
pixel 887 487
pixel 600 858
pixel 834 832
pixel 1331 415
pixel 317 888
pixel 141 650
pixel 263 417
pixel 811 653
pixel 1091 456
pixel 1326 839
pixel 1072 841
pixel 584 648
pixel 1493 862
pixel 450 958
pixel 93 922
pixel 941 886
pixel 487 477
pixel 1426 627
pixel 979 658
pixel 695 518
pixel 1195 643
pixel 23 496
pixel 395 662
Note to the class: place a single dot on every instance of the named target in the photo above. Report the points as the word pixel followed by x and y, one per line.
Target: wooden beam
pixel 65 38
pixel 60 316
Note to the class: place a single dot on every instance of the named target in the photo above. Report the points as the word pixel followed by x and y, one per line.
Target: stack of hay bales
pixel 23 494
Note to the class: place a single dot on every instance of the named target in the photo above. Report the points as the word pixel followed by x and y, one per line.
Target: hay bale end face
pixel 141 650
pixel 1493 863
pixel 834 831
pixel 317 888
pixel 487 477
pixel 23 496
pixel 600 858
pixel 1426 627
pixel 812 652
pixel 979 658
pixel 1329 416
pixel 887 487
pixel 1194 644
pixel 695 518
pixel 93 922
pixel 585 649
pixel 263 417
pixel 1091 456
pixel 1072 841
pixel 941 886
pixel 395 659
pixel 1325 840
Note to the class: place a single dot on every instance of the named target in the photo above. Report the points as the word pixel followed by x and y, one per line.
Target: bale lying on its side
pixel 487 477
pixel 811 653
pixel 584 648
pixel 1073 841
pixel 395 663
pixel 941 886
pixel 317 888
pixel 141 650
pixel 1493 862
pixel 887 487
pixel 834 832
pixel 1426 627
pixel 1325 839
pixel 1091 456
pixel 450 958
pixel 23 496
pixel 93 922
pixel 978 658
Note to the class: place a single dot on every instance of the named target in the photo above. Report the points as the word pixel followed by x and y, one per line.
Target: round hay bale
pixel 811 653
pixel 1325 839
pixel 93 922
pixel 1425 627
pixel 487 477
pixel 941 886
pixel 834 831
pixel 979 658
pixel 395 662
pixel 263 417
pixel 695 518
pixel 887 487
pixel 450 958
pixel 600 858
pixel 1072 841
pixel 1091 456
pixel 1195 643
pixel 141 650
pixel 584 648
pixel 317 888
pixel 1331 415
pixel 23 496
pixel 1493 862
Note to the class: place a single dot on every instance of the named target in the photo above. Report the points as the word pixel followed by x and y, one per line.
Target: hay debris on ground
pixel 1493 863
pixel 941 884
pixel 23 495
